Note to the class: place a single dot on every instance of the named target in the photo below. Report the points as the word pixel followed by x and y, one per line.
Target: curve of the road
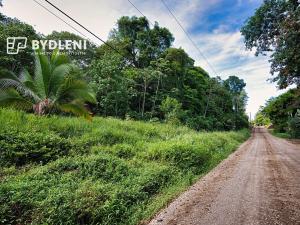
pixel 257 184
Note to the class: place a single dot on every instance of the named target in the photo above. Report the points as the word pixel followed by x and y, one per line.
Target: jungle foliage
pixel 275 29
pixel 284 112
pixel 147 79
pixel 57 169
pixel 55 86
pixel 153 75
pixel 63 170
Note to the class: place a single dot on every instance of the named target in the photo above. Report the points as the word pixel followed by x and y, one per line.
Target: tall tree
pixel 14 28
pixel 161 82
pixel 239 98
pixel 111 86
pixel 141 43
pixel 82 57
pixel 275 28
pixel 236 87
pixel 282 108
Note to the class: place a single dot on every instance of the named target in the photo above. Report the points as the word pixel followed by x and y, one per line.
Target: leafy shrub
pixel 108 136
pixel 179 153
pixel 17 148
pixel 172 110
pixel 294 125
pixel 155 177
pixel 125 151
pixel 102 172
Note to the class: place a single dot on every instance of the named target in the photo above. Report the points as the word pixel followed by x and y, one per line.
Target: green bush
pixel 17 148
pixel 182 154
pixel 124 151
pixel 294 125
pixel 60 170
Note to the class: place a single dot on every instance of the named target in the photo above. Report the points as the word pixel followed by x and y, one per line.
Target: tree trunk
pixel 40 107
pixel 156 92
pixel 208 99
pixel 144 97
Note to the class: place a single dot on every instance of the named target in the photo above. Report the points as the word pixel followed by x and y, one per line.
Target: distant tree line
pixel 147 79
pixel 283 112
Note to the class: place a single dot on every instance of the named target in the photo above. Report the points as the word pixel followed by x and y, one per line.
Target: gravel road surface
pixel 257 184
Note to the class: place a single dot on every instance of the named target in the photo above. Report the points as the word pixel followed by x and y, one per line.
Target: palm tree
pixel 55 86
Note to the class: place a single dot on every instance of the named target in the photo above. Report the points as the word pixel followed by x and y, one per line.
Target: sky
pixel 213 25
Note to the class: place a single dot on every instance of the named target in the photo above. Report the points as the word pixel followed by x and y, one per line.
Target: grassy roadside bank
pixel 59 170
pixel 280 135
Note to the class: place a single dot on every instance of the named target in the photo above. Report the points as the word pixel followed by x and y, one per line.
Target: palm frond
pixel 76 107
pixel 41 73
pixel 54 55
pixel 10 80
pixel 58 58
pixel 11 98
pixel 87 95
pixel 27 80
pixel 56 84
pixel 57 77
pixel 6 74
pixel 75 89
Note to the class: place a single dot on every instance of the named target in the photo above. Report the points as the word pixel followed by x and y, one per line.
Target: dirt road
pixel 258 184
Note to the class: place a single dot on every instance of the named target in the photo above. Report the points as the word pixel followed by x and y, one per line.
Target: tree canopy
pixel 283 110
pixel 139 42
pixel 86 55
pixel 152 80
pixel 275 28
pixel 14 28
pixel 146 78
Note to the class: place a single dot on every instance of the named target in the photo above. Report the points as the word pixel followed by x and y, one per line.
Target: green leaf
pixel 11 98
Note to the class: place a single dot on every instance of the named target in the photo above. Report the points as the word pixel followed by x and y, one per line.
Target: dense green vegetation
pixel 154 74
pixel 55 169
pixel 261 119
pixel 10 27
pixel 55 86
pixel 59 170
pixel 284 113
pixel 280 134
pixel 275 29
pixel 145 79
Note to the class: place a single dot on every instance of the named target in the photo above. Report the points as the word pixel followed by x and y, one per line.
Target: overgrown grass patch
pixel 59 170
pixel 280 134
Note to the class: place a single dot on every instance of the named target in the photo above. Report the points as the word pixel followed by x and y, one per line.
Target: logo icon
pixel 14 44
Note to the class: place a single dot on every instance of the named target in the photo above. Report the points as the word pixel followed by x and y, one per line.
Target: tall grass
pixel 60 170
pixel 279 134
